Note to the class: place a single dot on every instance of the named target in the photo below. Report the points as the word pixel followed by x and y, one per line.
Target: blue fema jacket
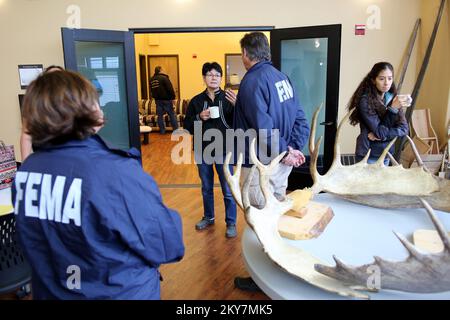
pixel 93 224
pixel 386 128
pixel 266 100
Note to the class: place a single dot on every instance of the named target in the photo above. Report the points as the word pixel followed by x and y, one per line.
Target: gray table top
pixel 355 235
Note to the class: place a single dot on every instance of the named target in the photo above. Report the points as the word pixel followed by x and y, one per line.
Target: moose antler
pixel 376 184
pixel 264 223
pixel 420 272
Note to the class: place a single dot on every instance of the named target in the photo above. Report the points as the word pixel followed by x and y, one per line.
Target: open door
pixel 310 57
pixel 107 59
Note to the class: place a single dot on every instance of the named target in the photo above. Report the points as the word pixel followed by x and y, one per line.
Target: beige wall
pixel 30 33
pixel 435 91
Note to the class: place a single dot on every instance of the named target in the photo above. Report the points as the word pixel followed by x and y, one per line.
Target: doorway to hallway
pixel 311 54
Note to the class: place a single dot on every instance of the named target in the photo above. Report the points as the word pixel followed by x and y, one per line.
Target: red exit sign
pixel 360 29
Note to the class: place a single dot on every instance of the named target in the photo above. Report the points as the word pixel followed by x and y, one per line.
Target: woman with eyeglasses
pixel 210 113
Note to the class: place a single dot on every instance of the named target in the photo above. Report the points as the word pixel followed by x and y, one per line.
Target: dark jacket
pixel 161 87
pixel 266 100
pixel 202 102
pixel 83 205
pixel 385 128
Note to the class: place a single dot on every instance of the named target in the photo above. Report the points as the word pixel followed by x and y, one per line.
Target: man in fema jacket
pixel 267 103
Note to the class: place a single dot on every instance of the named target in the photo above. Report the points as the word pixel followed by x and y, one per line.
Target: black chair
pixel 15 272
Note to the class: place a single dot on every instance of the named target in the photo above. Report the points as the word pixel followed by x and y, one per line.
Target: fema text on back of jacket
pixel 54 205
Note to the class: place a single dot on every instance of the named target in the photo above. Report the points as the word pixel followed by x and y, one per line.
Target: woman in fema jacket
pixel 378 110
pixel 92 223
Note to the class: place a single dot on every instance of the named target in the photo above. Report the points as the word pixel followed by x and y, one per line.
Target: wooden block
pixel 297 214
pixel 311 225
pixel 428 240
pixel 301 198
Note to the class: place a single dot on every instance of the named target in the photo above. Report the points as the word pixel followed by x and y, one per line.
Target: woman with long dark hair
pixel 378 110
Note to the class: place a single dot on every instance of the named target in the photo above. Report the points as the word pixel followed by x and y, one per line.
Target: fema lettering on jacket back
pixel 285 91
pixel 51 204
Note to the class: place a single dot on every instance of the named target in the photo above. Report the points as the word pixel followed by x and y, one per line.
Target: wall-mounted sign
pixel 360 29
pixel 29 72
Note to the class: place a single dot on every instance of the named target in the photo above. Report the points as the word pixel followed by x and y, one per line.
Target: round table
pixel 355 234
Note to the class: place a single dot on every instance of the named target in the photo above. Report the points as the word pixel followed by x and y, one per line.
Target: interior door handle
pixel 330 123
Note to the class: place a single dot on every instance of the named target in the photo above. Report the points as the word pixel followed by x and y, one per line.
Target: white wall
pixel 30 33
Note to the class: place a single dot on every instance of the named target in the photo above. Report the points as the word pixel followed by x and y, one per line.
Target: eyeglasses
pixel 210 75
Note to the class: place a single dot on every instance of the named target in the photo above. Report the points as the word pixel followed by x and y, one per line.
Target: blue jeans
pixel 163 106
pixel 372 160
pixel 206 173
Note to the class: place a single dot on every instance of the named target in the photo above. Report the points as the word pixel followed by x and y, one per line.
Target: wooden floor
pixel 211 260
pixel 157 161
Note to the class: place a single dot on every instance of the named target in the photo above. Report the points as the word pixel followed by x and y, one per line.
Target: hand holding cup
pixel 205 115
pixel 402 100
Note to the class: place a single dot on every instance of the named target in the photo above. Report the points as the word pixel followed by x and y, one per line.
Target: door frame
pixel 194 30
pixel 143 77
pixel 69 36
pixel 298 178
pixel 165 56
pixel 301 177
pixel 201 29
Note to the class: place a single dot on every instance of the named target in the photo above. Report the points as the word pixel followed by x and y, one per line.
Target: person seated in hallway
pixel 91 222
pixel 212 109
pixel 163 93
pixel 26 145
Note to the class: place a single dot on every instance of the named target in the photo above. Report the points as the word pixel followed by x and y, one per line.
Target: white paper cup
pixel 214 112
pixel 406 99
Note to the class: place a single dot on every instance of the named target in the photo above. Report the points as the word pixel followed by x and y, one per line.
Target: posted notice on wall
pixel 29 72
